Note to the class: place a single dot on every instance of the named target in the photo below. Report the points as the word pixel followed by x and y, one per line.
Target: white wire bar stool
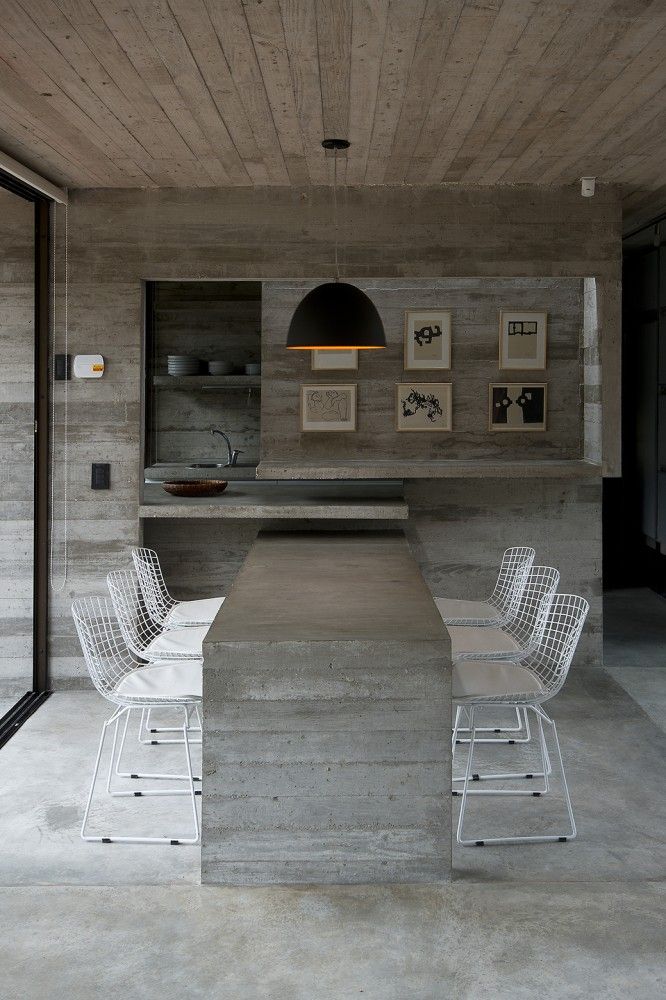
pixel 163 608
pixel 518 635
pixel 527 683
pixel 496 610
pixel 130 684
pixel 150 641
pixel 145 637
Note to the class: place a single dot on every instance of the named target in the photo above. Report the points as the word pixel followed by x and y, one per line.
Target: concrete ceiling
pixel 188 93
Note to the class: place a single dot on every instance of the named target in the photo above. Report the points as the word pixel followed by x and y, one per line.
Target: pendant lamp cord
pixel 335 211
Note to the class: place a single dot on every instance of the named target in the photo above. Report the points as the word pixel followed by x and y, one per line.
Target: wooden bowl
pixel 195 487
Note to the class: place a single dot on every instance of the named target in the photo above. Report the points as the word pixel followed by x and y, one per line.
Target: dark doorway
pixel 635 505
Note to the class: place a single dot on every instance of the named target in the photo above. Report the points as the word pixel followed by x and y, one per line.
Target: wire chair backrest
pixel 552 657
pixel 527 625
pixel 106 654
pixel 137 626
pixel 153 587
pixel 514 568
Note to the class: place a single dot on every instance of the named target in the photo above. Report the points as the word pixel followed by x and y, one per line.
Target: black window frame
pixel 26 705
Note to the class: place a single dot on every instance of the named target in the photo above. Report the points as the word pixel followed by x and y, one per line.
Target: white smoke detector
pixel 587 186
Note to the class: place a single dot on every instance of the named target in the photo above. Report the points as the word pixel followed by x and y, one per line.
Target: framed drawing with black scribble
pixel 427 340
pixel 522 341
pixel 517 407
pixel 423 406
pixel 328 407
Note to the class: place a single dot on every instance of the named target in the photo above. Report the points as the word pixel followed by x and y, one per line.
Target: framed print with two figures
pixel 328 407
pixel 517 407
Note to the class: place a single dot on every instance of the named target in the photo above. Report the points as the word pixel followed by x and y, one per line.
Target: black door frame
pixel 30 701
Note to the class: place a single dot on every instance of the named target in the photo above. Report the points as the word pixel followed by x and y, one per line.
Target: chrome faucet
pixel 232 453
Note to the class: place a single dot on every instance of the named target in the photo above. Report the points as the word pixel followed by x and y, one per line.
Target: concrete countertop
pixel 163 471
pixel 315 586
pixel 399 469
pixel 260 501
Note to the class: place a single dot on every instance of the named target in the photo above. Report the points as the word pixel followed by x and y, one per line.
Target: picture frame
pixel 522 340
pixel 427 340
pixel 328 408
pixel 334 361
pixel 517 407
pixel 424 407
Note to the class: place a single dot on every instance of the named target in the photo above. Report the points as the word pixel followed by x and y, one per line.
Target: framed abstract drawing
pixel 522 341
pixel 517 406
pixel 427 340
pixel 423 406
pixel 328 407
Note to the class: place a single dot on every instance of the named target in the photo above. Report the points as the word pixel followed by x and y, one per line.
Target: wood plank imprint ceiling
pixel 197 93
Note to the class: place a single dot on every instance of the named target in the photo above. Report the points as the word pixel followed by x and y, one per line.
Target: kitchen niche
pixel 217 321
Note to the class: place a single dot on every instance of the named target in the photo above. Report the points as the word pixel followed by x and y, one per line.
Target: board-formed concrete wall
pixel 474 304
pixel 17 309
pixel 119 238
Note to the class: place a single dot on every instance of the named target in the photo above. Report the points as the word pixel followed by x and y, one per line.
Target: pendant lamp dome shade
pixel 336 316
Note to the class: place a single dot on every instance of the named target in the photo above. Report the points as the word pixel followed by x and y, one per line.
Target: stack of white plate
pixel 182 364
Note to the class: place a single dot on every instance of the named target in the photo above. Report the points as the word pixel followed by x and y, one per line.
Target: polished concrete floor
pixel 582 919
pixel 635 647
pixel 578 941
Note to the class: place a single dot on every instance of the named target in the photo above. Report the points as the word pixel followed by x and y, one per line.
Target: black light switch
pixel 63 367
pixel 101 476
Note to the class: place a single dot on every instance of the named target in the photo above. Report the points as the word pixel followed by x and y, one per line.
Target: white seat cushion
pixel 450 609
pixel 479 639
pixel 195 612
pixel 164 680
pixel 186 642
pixel 490 678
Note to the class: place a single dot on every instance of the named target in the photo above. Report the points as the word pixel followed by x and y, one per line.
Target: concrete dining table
pixel 327 707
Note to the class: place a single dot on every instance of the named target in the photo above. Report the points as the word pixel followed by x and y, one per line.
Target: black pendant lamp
pixel 336 315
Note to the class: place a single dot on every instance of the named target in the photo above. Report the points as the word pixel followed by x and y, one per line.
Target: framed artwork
pixel 427 339
pixel 522 341
pixel 334 361
pixel 328 407
pixel 423 406
pixel 517 407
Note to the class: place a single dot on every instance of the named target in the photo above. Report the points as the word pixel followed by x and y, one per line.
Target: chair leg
pixel 195 815
pixel 522 728
pixel 145 774
pixel 191 791
pixel 510 775
pixel 146 732
pixel 532 839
